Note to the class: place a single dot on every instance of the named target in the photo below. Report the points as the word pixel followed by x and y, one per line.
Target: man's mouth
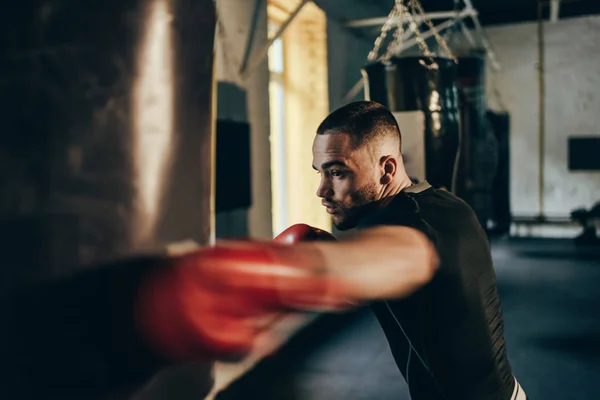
pixel 329 208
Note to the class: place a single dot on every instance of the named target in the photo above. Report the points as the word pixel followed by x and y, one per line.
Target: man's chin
pixel 342 225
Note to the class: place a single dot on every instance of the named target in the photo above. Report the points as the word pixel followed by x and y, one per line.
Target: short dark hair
pixel 364 121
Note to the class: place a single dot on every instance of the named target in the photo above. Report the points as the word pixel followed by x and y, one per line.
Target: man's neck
pixel 399 184
pixel 389 192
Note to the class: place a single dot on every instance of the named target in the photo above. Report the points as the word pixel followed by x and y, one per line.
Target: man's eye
pixel 336 173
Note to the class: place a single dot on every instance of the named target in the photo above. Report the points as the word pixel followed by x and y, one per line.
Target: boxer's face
pixel 349 178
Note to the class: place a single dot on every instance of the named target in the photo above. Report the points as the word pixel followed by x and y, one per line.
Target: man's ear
pixel 389 168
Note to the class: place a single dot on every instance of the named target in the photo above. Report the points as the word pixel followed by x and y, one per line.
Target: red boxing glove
pixel 208 304
pixel 303 232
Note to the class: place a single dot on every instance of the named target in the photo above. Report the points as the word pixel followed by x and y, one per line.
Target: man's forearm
pixel 53 333
pixel 381 263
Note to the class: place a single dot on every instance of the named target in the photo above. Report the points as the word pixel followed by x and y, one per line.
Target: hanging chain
pixel 416 6
pixel 412 23
pixel 387 26
pixel 397 17
pixel 397 44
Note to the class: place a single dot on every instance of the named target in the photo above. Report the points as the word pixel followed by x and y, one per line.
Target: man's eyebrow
pixel 329 164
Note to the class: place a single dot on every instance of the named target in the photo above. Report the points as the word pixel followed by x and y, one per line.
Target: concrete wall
pixel 572 108
pixel 346 55
pixel 248 103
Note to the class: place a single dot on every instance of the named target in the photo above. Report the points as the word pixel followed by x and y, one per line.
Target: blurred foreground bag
pixel 106 138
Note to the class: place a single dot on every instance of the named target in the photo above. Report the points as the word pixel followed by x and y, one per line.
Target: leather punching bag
pixel 425 103
pixel 501 212
pixel 106 142
pixel 106 139
pixel 479 148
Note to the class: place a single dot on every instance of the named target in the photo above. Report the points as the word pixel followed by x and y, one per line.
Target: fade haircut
pixel 367 122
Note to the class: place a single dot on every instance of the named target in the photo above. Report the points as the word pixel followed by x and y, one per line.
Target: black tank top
pixel 447 338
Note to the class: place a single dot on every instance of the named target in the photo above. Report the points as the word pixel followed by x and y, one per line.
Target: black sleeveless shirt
pixel 447 338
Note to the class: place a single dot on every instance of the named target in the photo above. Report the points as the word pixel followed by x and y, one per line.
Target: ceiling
pixel 491 12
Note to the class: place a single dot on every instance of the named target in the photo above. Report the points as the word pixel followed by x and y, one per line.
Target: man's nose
pixel 324 190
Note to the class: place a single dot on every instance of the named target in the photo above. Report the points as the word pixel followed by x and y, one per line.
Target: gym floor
pixel 551 300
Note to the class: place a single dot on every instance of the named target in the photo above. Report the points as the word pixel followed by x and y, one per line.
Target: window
pixel 298 94
pixel 278 142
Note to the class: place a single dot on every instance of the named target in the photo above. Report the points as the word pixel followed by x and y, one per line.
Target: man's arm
pixel 126 321
pixel 384 262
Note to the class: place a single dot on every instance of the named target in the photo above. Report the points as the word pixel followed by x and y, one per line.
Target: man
pixel 447 336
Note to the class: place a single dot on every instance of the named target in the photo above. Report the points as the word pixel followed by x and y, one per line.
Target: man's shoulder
pixel 443 199
pixel 416 207
pixel 439 203
pixel 400 210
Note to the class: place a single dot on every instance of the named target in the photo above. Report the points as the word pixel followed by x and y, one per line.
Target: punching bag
pixel 479 149
pixel 501 213
pixel 425 104
pixel 106 142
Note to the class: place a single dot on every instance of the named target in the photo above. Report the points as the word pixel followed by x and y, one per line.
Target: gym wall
pixel 244 101
pixel 572 104
pixel 346 56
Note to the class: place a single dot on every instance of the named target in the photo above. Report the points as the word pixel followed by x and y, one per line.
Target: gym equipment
pixel 409 12
pixel 501 211
pixel 202 305
pixel 107 135
pixel 233 166
pixel 303 232
pixel 425 103
pixel 479 148
pixel 590 222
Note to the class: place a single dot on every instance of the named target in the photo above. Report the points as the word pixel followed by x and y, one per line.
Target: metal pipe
pixel 264 50
pixel 358 86
pixel 381 20
pixel 251 34
pixel 488 48
pixel 467 33
pixel 542 108
pixel 554 10
pixel 441 27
